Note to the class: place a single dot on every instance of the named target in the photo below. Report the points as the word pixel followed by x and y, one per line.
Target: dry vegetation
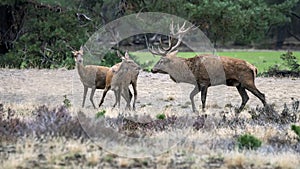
pixel 50 136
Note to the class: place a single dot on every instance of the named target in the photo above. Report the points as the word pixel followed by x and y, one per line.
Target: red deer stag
pixel 201 70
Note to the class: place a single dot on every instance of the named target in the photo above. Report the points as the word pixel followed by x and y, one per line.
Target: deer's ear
pixel 81 49
pixel 126 55
pixel 120 55
pixel 73 52
pixel 173 54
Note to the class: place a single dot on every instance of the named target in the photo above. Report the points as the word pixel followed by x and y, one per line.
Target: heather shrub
pixel 11 126
pixel 55 122
pixel 248 141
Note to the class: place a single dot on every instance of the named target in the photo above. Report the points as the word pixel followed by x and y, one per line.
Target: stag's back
pixel 217 70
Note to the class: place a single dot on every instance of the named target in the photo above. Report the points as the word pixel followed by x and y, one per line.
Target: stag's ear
pixel 173 54
pixel 73 52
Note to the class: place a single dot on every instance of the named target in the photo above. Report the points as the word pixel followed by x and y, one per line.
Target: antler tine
pixel 179 34
pixel 152 50
pixel 181 31
pixel 172 32
pixel 182 27
pixel 161 50
pixel 158 51
pixel 169 42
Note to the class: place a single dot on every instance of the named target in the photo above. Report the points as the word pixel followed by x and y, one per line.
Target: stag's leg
pixel 84 95
pixel 103 95
pixel 92 96
pixel 244 95
pixel 203 96
pixel 257 93
pixel 192 95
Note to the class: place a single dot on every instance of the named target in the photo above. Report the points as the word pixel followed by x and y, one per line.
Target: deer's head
pixel 78 55
pixel 127 63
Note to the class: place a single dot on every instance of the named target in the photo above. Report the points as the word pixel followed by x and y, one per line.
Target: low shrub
pixel 11 126
pixel 161 116
pixel 100 114
pixel 67 102
pixel 56 122
pixel 296 129
pixel 290 62
pixel 248 141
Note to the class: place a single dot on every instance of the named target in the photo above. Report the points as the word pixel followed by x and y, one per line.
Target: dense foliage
pixel 41 33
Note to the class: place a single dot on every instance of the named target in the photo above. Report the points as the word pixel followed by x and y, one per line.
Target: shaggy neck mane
pixel 182 72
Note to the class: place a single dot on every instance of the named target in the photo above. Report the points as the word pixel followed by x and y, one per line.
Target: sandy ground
pixel 156 92
pixel 25 89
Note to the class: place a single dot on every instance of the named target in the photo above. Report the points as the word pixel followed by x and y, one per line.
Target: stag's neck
pixel 182 72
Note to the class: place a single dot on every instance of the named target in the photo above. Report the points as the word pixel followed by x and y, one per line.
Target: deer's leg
pixel 134 85
pixel 92 96
pixel 119 91
pixel 84 95
pixel 104 94
pixel 116 98
pixel 252 88
pixel 127 96
pixel 203 96
pixel 192 95
pixel 244 95
pixel 257 93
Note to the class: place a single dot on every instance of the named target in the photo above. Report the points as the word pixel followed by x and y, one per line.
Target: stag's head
pixel 78 55
pixel 168 55
pixel 165 63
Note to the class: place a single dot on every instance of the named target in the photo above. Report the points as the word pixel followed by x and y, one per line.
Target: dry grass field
pixel 214 145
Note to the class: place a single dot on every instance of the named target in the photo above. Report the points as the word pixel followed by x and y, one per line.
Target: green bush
pixel 290 66
pixel 67 102
pixel 100 114
pixel 161 116
pixel 290 61
pixel 248 141
pixel 296 129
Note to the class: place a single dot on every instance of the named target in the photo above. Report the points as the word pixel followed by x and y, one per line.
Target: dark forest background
pixel 42 33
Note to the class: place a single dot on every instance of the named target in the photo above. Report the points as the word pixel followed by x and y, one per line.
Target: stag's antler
pixel 181 31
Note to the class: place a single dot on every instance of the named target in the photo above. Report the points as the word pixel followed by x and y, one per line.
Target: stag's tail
pixel 253 68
